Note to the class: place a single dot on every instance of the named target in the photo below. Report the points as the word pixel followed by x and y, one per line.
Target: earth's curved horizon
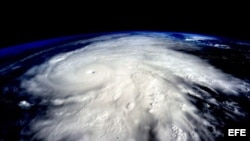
pixel 128 86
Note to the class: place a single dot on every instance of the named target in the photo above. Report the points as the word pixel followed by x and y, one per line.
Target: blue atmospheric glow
pixel 17 49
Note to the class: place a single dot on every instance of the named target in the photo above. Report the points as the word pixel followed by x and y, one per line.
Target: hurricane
pixel 132 88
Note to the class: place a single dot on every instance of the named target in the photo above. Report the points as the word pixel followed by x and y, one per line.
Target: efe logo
pixel 236 132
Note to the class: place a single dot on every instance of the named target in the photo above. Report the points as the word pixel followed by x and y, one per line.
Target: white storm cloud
pixel 125 89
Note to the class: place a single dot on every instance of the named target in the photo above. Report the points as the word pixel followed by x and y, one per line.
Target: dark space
pixel 22 24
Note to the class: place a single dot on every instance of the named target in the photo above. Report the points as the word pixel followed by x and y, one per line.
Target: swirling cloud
pixel 131 88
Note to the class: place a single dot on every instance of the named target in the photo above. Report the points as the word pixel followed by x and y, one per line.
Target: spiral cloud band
pixel 130 88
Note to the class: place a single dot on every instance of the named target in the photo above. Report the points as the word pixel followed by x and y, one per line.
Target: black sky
pixel 23 25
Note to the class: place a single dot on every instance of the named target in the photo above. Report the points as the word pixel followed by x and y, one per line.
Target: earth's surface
pixel 134 86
